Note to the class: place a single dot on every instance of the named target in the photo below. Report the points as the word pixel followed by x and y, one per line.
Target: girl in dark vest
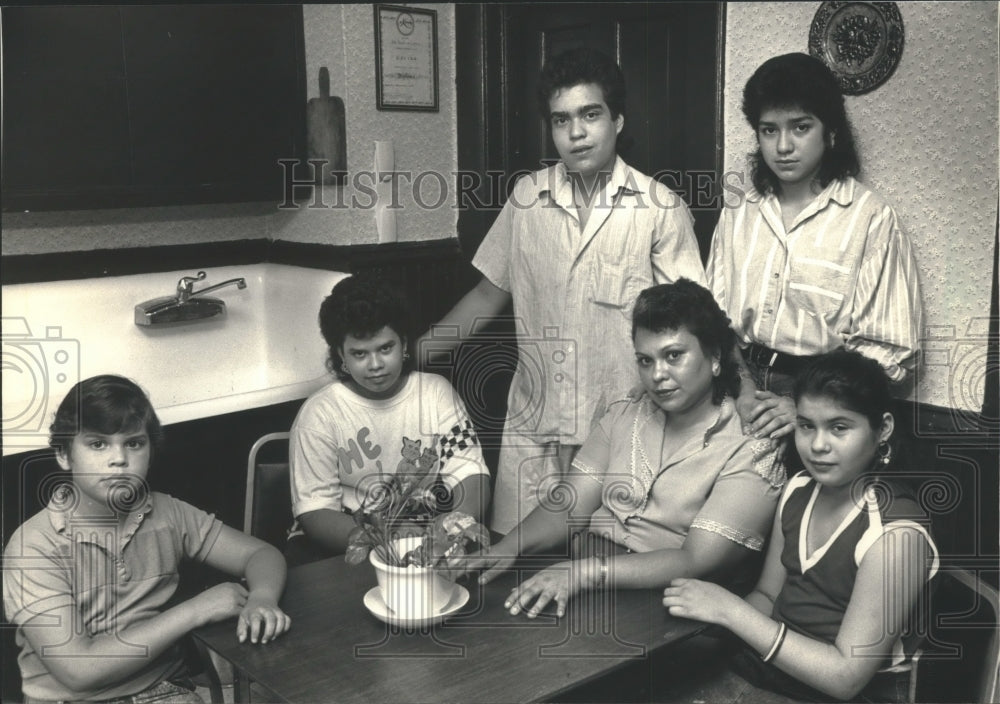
pixel 849 559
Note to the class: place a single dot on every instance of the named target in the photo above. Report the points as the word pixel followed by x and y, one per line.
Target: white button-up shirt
pixel 573 289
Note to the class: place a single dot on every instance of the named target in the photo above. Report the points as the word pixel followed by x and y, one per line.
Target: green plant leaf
pixel 455 522
pixel 359 535
pixel 417 556
pixel 359 543
pixel 386 553
pixel 356 554
pixel 439 534
pixel 405 485
pixel 477 533
pixel 454 557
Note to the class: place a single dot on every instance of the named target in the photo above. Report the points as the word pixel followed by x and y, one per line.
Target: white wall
pixel 341 37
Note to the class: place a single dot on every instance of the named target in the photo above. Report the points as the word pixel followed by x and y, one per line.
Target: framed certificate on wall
pixel 406 58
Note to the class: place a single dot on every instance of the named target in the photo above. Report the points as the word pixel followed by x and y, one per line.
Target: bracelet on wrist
pixel 602 575
pixel 779 638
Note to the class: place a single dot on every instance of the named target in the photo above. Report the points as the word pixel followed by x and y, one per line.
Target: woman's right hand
pixel 490 561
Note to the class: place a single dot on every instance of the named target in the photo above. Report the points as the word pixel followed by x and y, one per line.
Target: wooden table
pixel 337 651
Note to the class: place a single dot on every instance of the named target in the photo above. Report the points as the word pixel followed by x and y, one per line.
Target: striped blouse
pixel 843 275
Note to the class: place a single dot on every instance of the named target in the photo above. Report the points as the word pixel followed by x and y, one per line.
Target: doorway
pixel 671 55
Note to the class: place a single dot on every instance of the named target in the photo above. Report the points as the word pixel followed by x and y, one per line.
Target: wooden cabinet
pixel 123 106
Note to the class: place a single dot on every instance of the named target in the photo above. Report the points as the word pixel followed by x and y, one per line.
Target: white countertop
pixel 266 350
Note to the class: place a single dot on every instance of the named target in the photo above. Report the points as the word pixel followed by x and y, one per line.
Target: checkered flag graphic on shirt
pixel 461 436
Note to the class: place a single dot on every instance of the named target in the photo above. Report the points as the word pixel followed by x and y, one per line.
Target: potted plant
pixel 407 541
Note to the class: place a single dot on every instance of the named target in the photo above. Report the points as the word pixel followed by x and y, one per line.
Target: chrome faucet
pixel 186 306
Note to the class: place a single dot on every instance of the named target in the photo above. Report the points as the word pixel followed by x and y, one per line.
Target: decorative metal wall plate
pixel 861 42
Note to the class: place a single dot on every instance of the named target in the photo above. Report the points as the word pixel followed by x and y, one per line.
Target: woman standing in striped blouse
pixel 810 260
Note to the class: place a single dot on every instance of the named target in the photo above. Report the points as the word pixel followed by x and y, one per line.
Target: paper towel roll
pixel 385 165
pixel 385 222
pixel 385 159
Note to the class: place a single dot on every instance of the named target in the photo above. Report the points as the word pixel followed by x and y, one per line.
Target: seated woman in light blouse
pixel 668 484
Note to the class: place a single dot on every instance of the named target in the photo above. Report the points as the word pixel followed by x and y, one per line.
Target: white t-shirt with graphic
pixel 341 442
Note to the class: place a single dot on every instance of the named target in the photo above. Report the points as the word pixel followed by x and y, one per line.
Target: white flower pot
pixel 411 592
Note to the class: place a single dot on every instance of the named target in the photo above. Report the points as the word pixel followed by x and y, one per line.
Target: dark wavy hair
pixel 685 304
pixel 582 65
pixel 852 380
pixel 801 81
pixel 360 306
pixel 105 404
pixel 859 384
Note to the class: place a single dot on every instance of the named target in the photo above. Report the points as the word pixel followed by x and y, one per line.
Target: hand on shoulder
pixel 766 414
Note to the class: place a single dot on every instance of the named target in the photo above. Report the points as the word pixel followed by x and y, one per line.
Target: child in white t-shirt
pixel 377 418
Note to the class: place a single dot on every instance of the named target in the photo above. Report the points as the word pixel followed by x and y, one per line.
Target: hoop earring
pixel 406 355
pixel 884 453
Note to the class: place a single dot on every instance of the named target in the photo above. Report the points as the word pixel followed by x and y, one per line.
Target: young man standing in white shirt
pixel 572 248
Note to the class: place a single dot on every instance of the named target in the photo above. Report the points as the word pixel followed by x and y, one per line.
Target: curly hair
pixel 577 66
pixel 801 81
pixel 105 404
pixel 685 304
pixel 360 306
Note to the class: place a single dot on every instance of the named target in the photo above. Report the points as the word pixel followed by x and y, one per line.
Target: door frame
pixel 483 142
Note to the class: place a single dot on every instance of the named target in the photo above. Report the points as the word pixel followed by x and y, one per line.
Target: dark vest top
pixel 815 595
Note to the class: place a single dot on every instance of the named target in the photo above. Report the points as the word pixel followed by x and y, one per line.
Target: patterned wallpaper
pixel 928 144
